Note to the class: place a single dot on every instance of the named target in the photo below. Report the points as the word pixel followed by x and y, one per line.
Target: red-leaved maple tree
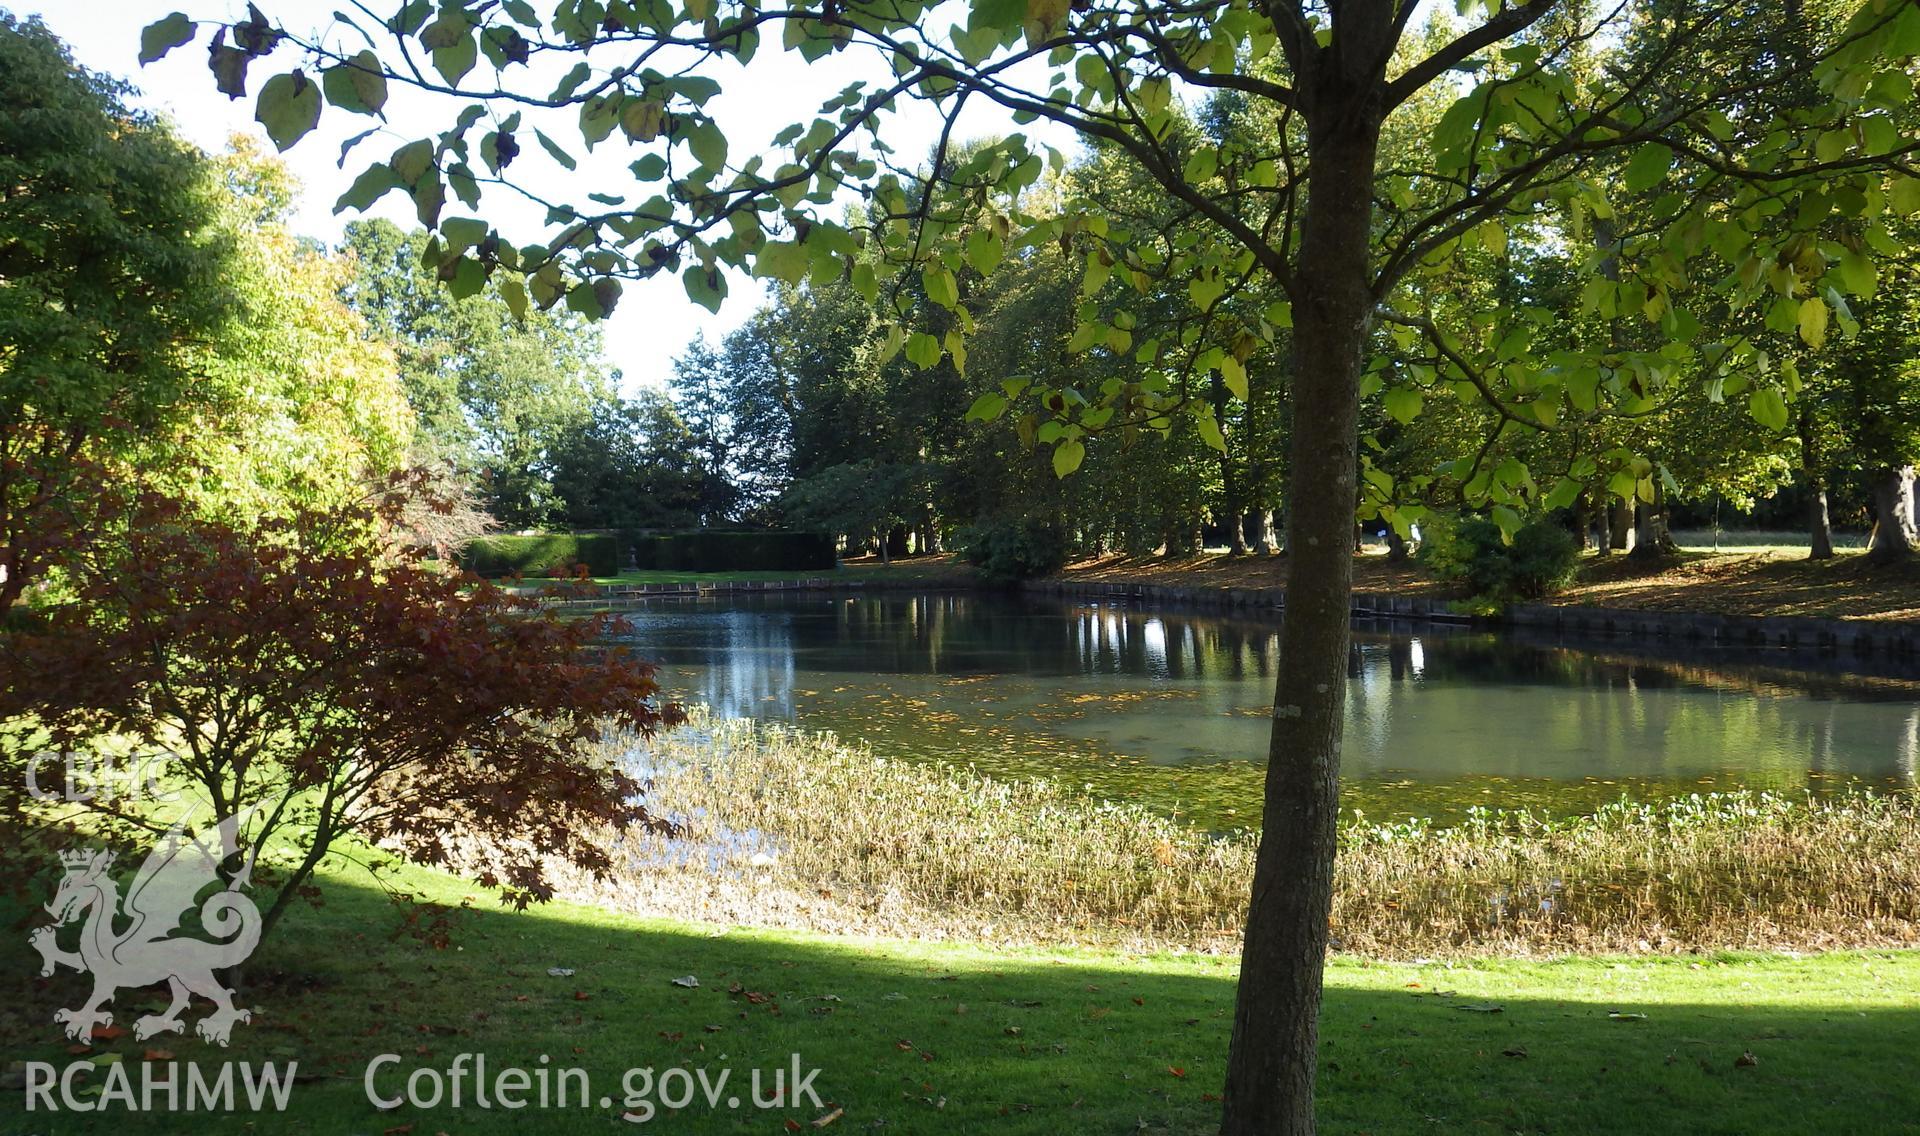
pixel 322 687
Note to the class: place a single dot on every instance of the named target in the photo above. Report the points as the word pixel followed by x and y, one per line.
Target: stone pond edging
pixel 1895 638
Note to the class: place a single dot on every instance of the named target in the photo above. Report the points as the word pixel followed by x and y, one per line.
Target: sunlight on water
pixel 1172 708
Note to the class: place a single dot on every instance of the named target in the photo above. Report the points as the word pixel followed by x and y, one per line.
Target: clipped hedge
pixel 710 550
pixel 534 555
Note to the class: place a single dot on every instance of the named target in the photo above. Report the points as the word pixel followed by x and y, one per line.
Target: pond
pixel 1170 707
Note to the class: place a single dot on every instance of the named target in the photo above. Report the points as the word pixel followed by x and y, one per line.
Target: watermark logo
pixel 137 940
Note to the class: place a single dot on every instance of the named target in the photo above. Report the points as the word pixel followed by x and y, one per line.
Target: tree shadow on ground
pixel 921 1038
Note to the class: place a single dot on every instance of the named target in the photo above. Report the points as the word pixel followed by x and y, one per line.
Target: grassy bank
pixel 1750 574
pixel 935 1038
pixel 864 844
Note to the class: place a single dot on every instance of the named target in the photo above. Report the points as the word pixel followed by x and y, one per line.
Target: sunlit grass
pixel 939 1038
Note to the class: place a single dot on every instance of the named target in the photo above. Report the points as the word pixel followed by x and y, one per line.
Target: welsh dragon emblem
pixel 131 942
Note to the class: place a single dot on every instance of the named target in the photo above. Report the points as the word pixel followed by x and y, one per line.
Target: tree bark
pixel 1275 1050
pixel 1266 542
pixel 1819 522
pixel 1651 540
pixel 1397 551
pixel 1619 525
pixel 1893 537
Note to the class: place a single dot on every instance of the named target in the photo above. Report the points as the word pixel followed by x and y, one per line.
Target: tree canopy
pixel 1531 124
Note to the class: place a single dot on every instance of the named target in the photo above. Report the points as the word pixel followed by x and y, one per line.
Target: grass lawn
pixel 943 1038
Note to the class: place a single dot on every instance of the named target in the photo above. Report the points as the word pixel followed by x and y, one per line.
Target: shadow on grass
pixel 932 1038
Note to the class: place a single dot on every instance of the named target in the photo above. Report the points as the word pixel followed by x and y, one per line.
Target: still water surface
pixel 1171 708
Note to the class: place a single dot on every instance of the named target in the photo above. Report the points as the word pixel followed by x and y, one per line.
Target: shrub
pixel 1007 552
pixel 721 550
pixel 536 555
pixel 326 688
pixel 1539 561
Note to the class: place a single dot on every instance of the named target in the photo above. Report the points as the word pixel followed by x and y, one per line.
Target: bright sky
pixel 654 320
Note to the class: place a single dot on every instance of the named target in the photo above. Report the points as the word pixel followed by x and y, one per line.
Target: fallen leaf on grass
pixel 1618 1016
pixel 1176 1070
pixel 688 981
pixel 1516 1051
pixel 560 972
pixel 1481 1007
pixel 829 1118
pixel 1746 1060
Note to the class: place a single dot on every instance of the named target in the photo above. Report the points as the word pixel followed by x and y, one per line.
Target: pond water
pixel 1170 707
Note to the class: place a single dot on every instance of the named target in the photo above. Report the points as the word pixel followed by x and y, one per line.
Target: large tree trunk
pixel 1619 525
pixel 1265 541
pixel 1893 522
pixel 1275 1049
pixel 1651 540
pixel 1819 522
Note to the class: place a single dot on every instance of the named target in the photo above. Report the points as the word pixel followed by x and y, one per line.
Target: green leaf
pixel 984 251
pixel 288 106
pixel 514 291
pixel 357 85
pixel 941 287
pixel 468 279
pixel 463 233
pixel 1565 491
pixel 1648 166
pixel 705 286
pixel 1856 272
pixel 1402 403
pixel 565 159
pixel 1067 456
pixel 987 407
pixel 455 60
pixel 369 187
pixel 709 145
pixel 1209 427
pixel 412 161
pixel 163 35
pixel 923 350
pixel 1904 193
pixel 1768 408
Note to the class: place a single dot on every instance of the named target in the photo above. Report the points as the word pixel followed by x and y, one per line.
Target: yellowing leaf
pixel 288 106
pixel 1234 373
pixel 1813 321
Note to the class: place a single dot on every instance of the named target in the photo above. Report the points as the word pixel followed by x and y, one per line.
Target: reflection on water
pixel 1172 708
